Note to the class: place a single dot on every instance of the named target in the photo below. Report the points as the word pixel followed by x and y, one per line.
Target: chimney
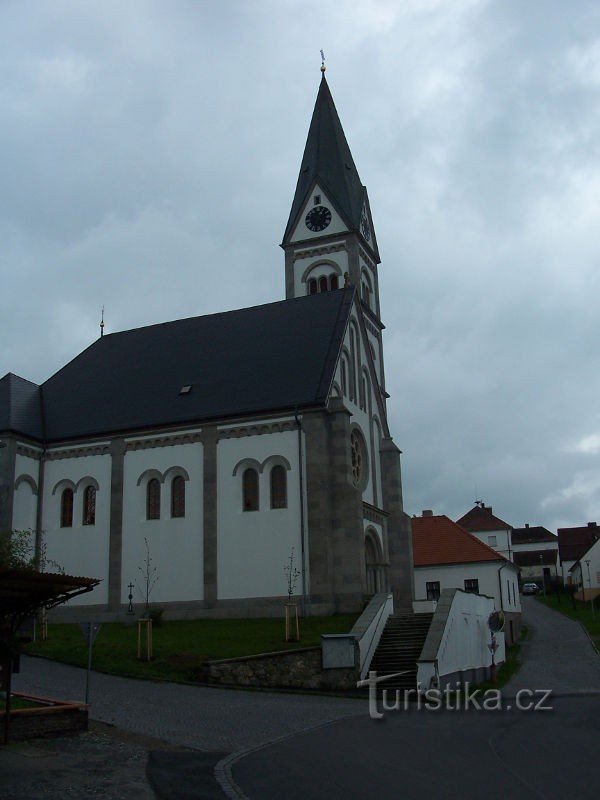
pixel 488 508
pixel 427 512
pixel 526 524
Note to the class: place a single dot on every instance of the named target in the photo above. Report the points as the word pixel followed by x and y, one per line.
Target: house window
pixel 323 284
pixel 433 590
pixel 89 505
pixel 178 496
pixel 66 509
pixel 472 585
pixel 334 282
pixel 153 499
pixel 250 489
pixel 278 487
pixel 492 541
pixel 312 286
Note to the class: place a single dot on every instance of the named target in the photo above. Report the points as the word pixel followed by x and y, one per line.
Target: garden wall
pixel 289 669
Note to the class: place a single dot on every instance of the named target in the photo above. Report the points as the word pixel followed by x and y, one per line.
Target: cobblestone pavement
pixel 556 655
pixel 207 719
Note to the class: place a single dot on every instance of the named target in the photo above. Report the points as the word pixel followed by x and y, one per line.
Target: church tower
pixel 359 535
pixel 329 240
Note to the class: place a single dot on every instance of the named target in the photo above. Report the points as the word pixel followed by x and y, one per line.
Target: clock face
pixel 318 218
pixel 364 227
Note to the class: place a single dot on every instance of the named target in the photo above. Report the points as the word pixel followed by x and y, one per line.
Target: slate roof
pixel 482 519
pixel 261 359
pixel 327 158
pixel 532 534
pixel 20 406
pixel 437 540
pixel 574 542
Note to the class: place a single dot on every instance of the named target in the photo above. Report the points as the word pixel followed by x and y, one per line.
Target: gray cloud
pixel 149 158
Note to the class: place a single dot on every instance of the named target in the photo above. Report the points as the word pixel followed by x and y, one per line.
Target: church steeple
pixel 329 238
pixel 328 163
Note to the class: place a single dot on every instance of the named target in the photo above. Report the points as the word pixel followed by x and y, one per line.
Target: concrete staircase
pixel 399 648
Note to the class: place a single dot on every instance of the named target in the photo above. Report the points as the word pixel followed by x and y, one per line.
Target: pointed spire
pixel 102 323
pixel 328 160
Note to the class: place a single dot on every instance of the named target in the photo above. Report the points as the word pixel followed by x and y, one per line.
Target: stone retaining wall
pixel 289 669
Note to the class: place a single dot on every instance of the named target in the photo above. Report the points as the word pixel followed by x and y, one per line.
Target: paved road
pixel 329 748
pixel 484 755
pixel 557 654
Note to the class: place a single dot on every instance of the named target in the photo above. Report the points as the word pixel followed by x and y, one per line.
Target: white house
pixel 489 529
pixel 573 543
pixel 535 552
pixel 585 572
pixel 446 556
pixel 226 440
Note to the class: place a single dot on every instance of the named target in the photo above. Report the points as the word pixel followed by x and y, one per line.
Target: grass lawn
pixel 576 609
pixel 180 648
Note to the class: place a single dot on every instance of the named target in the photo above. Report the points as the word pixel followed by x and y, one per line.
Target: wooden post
pixel 291 616
pixel 148 626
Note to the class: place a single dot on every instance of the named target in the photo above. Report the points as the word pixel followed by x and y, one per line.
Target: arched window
pixel 334 282
pixel 153 499
pixel 178 496
pixel 323 284
pixel 250 489
pixel 66 509
pixel 344 378
pixel 312 286
pixel 278 487
pixel 89 505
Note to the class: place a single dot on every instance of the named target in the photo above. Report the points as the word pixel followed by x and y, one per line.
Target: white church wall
pixel 25 497
pixel 79 549
pixel 175 544
pixel 254 546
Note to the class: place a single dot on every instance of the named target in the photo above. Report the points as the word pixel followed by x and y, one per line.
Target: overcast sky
pixel 149 153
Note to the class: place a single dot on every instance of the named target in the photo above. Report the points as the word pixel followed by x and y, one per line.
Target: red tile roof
pixel 482 519
pixel 438 540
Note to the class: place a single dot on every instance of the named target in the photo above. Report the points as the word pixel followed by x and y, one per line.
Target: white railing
pixel 346 649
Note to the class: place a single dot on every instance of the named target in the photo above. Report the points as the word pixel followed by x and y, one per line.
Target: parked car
pixel 530 588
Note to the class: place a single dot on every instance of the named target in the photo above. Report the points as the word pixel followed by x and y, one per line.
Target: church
pixel 218 445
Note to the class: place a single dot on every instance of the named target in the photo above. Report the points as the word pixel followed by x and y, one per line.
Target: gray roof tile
pixel 260 359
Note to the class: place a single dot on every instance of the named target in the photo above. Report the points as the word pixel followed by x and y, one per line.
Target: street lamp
pixel 587 561
pixel 542 571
